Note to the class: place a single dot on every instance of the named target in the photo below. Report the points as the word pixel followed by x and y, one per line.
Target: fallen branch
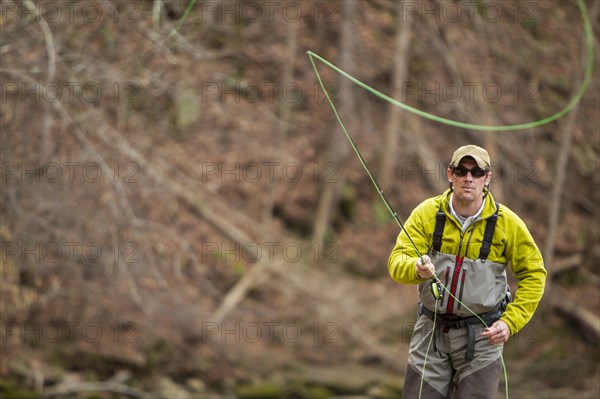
pixel 252 278
pixel 564 264
pixel 583 321
pixel 72 388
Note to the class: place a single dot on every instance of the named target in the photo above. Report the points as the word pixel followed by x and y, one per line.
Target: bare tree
pixel 338 147
pixel 393 130
pixel 282 118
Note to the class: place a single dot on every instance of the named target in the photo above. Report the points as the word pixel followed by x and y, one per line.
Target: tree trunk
pixel 557 189
pixel 282 118
pixel 338 147
pixel 393 130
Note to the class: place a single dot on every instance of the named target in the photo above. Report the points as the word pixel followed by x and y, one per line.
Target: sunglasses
pixel 475 172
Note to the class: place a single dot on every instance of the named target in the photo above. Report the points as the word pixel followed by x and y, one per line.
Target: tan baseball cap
pixel 480 155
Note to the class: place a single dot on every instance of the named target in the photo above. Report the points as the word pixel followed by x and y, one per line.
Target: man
pixel 467 241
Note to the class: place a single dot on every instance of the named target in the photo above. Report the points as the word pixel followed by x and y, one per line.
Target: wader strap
pixel 440 222
pixel 470 342
pixel 490 226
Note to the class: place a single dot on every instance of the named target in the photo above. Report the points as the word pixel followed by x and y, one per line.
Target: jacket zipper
pixel 457 274
pixel 464 272
pixel 453 286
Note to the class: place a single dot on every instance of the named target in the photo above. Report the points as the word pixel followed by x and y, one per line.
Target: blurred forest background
pixel 182 216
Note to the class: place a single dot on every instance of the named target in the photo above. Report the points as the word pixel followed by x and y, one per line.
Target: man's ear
pixel 488 178
pixel 450 178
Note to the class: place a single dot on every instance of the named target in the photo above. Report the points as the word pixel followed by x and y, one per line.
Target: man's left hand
pixel 497 333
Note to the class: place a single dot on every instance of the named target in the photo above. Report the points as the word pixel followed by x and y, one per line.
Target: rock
pixel 383 391
pixel 167 388
pixel 343 381
pixel 188 108
pixel 317 393
pixel 259 391
pixel 298 391
pixel 196 385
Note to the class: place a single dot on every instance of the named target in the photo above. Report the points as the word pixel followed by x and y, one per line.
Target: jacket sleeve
pixel 528 266
pixel 401 263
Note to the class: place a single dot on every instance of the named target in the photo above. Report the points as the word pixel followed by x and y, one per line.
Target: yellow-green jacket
pixel 478 284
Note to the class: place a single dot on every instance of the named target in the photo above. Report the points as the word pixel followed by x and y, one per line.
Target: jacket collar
pixel 489 206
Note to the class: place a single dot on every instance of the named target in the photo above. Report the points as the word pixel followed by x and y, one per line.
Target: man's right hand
pixel 425 269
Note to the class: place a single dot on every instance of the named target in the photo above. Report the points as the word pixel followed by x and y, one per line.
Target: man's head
pixel 469 172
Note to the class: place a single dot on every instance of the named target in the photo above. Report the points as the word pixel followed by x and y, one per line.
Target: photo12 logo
pixel 270 332
pixel 68 172
pixel 468 11
pixel 469 92
pixel 81 12
pixel 267 171
pixel 253 252
pixel 70 92
pixel 69 251
pixel 269 11
pixel 69 332
pixel 524 173
pixel 265 91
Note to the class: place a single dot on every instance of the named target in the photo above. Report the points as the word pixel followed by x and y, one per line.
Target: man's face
pixel 468 188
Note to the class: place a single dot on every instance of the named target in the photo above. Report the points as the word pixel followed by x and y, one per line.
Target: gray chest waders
pixel 453 321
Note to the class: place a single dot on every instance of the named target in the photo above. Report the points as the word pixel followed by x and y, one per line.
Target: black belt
pixel 454 321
